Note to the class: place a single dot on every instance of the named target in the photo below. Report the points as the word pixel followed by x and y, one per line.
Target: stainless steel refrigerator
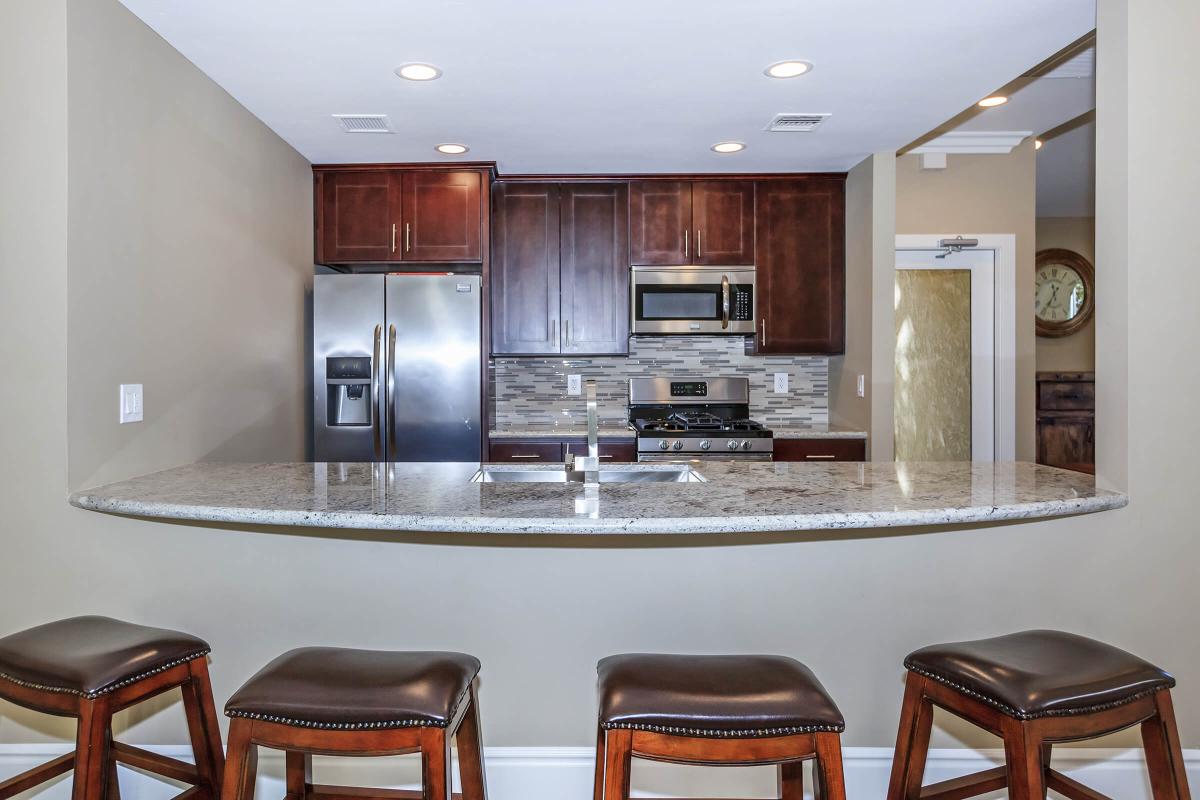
pixel 397 367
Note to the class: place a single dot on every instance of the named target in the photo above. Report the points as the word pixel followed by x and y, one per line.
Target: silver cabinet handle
pixel 698 232
pixel 393 237
pixel 523 455
pixel 567 325
pixel 376 408
pixel 815 456
pixel 764 331
pixel 685 242
pixel 554 331
pixel 391 392
pixel 407 237
pixel 724 292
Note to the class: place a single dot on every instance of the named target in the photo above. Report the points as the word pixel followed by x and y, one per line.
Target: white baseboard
pixel 565 773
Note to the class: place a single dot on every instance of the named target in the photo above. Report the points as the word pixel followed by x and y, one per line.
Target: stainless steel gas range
pixel 696 418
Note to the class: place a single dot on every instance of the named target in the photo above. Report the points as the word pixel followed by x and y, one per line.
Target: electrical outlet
pixel 575 384
pixel 131 403
pixel 781 383
pixel 862 385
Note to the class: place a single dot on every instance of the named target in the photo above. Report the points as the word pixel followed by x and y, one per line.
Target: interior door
pixel 442 216
pixel 660 220
pixel 723 223
pixel 594 273
pixel 360 216
pixel 525 269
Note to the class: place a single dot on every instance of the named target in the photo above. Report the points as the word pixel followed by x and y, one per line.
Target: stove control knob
pixel 746 445
pixel 705 444
pixel 731 444
pixel 678 444
pixel 662 444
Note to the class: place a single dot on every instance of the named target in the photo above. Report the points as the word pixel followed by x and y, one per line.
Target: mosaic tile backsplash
pixel 532 392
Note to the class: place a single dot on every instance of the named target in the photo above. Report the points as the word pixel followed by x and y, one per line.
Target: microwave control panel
pixel 741 302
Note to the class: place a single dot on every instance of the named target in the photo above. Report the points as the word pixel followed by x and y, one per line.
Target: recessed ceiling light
pixel 452 148
pixel 993 101
pixel 728 147
pixel 418 72
pixel 1037 144
pixel 787 69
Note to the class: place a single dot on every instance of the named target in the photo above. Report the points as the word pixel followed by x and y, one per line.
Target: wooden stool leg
pixel 298 767
pixel 241 762
pixel 912 741
pixel 618 752
pixel 829 766
pixel 1023 754
pixel 598 783
pixel 1164 756
pixel 436 778
pixel 92 750
pixel 1047 752
pixel 203 730
pixel 112 789
pixel 791 780
pixel 470 752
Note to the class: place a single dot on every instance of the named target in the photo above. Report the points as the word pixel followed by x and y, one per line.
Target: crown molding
pixel 974 142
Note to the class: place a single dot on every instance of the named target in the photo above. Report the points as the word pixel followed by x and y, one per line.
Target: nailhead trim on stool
pixel 724 734
pixel 351 726
pixel 111 687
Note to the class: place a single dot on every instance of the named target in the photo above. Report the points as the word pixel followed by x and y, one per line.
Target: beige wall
pixel 845 406
pixel 981 194
pixel 1077 352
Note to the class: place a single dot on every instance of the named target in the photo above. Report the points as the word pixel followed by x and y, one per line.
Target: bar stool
pixel 91 668
pixel 1032 689
pixel 337 701
pixel 719 711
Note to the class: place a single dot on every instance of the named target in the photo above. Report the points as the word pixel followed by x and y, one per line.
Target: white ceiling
pixel 611 86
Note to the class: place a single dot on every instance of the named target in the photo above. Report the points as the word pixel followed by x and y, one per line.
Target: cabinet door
pixel 1067 442
pixel 609 452
pixel 800 233
pixel 820 450
pixel 594 274
pixel 358 216
pixel 660 219
pixel 525 451
pixel 723 222
pixel 524 269
pixel 442 217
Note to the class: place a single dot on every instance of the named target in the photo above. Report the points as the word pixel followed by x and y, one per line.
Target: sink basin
pixel 666 473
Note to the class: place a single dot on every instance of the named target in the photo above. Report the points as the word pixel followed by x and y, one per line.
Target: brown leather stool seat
pixel 714 696
pixel 718 710
pixel 333 700
pixel 1041 673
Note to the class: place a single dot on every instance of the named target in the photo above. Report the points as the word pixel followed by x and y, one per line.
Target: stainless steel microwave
pixel 695 300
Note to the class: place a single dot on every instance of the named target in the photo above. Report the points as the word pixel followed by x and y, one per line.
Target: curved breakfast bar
pixel 710 498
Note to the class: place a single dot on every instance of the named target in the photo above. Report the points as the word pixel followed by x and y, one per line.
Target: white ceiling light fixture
pixel 728 147
pixel 993 101
pixel 452 148
pixel 418 71
pixel 1037 144
pixel 788 69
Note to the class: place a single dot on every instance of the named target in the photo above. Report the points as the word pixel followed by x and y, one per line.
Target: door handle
pixel 376 408
pixel 407 237
pixel 567 327
pixel 685 243
pixel 554 331
pixel 764 331
pixel 393 237
pixel 724 291
pixel 391 392
pixel 698 253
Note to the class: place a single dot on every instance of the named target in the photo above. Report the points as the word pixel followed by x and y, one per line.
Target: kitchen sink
pixel 666 473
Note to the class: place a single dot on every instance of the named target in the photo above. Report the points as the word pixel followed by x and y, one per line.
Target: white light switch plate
pixel 574 384
pixel 131 402
pixel 781 383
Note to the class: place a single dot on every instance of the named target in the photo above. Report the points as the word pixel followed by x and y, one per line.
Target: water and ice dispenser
pixel 348 383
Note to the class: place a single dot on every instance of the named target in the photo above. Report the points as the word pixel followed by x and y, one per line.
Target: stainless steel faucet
pixel 589 465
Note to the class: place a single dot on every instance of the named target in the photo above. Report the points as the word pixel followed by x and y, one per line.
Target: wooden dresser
pixel 1066 420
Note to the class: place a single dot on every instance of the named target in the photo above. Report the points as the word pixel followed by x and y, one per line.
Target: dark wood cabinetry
pixel 1066 420
pixel 691 222
pixel 800 245
pixel 557 450
pixel 560 272
pixel 387 215
pixel 820 450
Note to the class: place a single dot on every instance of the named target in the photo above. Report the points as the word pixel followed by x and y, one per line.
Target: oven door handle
pixel 724 302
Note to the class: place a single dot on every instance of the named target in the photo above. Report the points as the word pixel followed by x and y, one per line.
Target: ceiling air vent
pixel 364 123
pixel 798 123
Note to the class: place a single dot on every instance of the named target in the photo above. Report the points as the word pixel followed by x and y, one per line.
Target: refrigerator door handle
pixel 391 392
pixel 376 408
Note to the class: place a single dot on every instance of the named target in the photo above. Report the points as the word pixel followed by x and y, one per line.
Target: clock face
pixel 1061 293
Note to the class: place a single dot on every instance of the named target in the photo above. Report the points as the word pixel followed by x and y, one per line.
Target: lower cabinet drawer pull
pixel 814 455
pixel 520 455
pixel 606 456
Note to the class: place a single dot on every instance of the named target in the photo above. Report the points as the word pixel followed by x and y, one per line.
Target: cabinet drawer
pixel 1066 396
pixel 610 452
pixel 526 451
pixel 820 450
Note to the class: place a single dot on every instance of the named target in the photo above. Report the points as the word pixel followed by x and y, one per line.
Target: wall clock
pixel 1064 287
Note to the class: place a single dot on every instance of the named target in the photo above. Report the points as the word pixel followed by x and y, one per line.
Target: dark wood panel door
pixel 820 450
pixel 525 269
pixel 801 273
pixel 723 222
pixel 1067 441
pixel 507 450
pixel 660 220
pixel 359 217
pixel 594 274
pixel 442 216
pixel 609 452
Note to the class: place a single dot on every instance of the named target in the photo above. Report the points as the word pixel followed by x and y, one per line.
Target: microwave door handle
pixel 376 408
pixel 391 392
pixel 724 302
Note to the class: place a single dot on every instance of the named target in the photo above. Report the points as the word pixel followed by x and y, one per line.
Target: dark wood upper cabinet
pixel 800 277
pixel 358 216
pixel 660 221
pixel 723 223
pixel 441 216
pixel 525 269
pixel 594 248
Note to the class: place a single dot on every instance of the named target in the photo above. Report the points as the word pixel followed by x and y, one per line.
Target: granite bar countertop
pixel 781 431
pixel 736 497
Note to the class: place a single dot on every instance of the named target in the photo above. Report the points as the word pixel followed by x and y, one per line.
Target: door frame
pixel 1004 320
